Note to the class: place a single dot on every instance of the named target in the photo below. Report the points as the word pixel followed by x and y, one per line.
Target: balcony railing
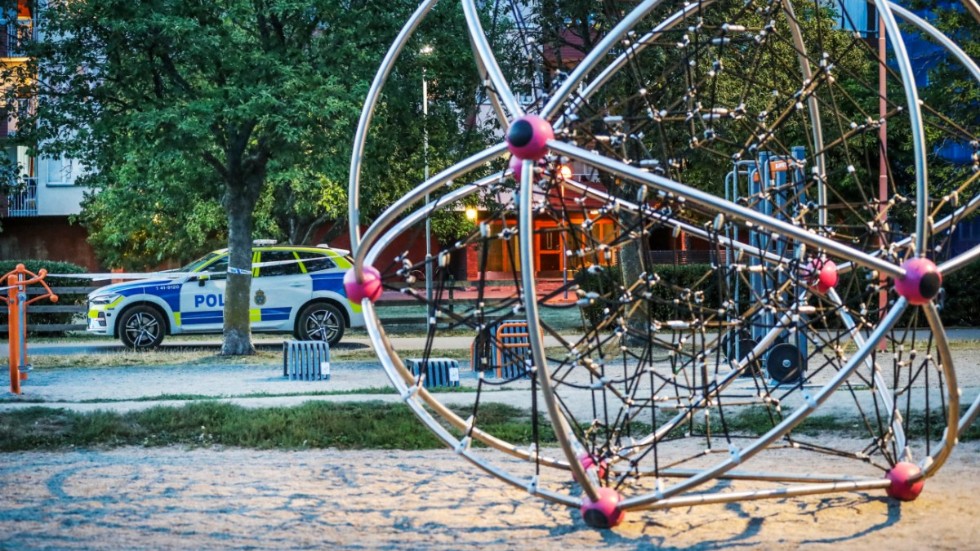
pixel 14 37
pixel 22 203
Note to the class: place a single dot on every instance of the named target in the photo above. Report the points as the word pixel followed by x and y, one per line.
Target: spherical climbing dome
pixel 902 487
pixel 922 281
pixel 370 288
pixel 527 137
pixel 604 512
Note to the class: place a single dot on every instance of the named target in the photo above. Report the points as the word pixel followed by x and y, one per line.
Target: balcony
pixel 22 203
pixel 14 37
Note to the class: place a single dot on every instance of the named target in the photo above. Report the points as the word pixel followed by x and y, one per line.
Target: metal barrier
pixel 306 360
pixel 504 349
pixel 438 371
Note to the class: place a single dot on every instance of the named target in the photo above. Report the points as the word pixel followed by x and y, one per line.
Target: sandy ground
pixel 171 498
pixel 244 499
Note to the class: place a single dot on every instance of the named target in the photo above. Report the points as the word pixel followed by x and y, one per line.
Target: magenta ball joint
pixel 527 137
pixel 921 283
pixel 823 275
pixel 906 483
pixel 589 462
pixel 605 511
pixel 370 288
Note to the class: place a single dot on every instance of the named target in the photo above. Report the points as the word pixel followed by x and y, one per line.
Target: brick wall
pixel 47 238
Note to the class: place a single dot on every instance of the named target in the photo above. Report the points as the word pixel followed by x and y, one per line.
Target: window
pixel 315 262
pixel 219 268
pixel 288 266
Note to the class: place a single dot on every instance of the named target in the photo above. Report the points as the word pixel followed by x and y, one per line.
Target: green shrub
pixel 35 318
pixel 959 306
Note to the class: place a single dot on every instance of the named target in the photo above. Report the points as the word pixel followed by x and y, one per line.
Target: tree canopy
pixel 203 123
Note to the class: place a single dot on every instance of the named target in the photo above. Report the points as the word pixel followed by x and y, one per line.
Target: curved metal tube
pixel 971 66
pixel 488 61
pixel 367 112
pixel 430 185
pixel 595 56
pixel 421 214
pixel 716 203
pixel 410 397
pixel 915 120
pixel 566 439
pixel 930 466
pixel 788 424
pixel 961 261
pixel 888 402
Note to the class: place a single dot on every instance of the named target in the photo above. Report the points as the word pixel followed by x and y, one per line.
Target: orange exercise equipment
pixel 16 299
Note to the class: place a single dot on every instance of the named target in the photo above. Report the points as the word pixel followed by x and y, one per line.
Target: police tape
pixel 172 274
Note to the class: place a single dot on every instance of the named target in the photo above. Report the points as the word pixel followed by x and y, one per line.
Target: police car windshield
pixel 199 263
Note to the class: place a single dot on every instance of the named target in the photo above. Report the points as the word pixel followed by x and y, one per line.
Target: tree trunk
pixel 237 329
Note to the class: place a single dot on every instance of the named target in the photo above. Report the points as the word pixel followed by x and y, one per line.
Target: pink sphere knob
pixel 922 281
pixel 605 511
pixel 516 165
pixel 370 288
pixel 527 137
pixel 588 462
pixel 902 488
pixel 824 276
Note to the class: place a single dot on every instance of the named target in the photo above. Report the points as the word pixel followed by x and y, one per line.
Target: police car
pixel 294 289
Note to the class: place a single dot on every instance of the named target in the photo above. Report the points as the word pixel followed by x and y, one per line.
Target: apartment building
pixel 35 218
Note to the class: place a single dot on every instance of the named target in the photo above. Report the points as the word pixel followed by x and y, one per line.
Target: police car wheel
pixel 321 322
pixel 141 327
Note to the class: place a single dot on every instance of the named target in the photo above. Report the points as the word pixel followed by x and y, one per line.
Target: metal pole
pixel 428 219
pixel 882 160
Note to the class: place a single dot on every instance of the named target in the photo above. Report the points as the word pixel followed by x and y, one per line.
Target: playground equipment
pixel 672 382
pixel 17 281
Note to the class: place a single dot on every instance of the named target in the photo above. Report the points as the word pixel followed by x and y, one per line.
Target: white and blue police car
pixel 294 289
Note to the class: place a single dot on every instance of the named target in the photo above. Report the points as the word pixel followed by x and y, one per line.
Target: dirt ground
pixel 245 499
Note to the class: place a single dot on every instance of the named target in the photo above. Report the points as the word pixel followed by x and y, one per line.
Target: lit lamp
pixel 565 172
pixel 471 214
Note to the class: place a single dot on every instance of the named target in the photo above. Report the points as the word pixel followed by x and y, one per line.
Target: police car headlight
pixel 102 300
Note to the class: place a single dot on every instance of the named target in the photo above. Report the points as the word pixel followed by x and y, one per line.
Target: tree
pixel 202 121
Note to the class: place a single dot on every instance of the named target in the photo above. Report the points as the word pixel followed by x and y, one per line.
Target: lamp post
pixel 425 51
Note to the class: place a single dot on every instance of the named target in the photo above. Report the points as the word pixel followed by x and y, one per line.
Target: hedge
pixel 958 303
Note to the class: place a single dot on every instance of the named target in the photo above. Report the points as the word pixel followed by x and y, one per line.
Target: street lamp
pixel 425 51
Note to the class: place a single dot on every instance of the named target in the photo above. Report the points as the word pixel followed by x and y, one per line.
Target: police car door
pixel 279 288
pixel 202 299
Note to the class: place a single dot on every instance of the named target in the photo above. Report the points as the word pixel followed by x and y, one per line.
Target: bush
pixel 958 306
pixel 53 267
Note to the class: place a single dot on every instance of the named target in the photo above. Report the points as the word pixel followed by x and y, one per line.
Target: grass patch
pixel 372 425
pixel 322 424
pixel 360 425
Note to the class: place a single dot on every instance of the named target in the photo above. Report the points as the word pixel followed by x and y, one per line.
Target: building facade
pixel 35 217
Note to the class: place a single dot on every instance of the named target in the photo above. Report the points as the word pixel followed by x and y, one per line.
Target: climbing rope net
pixel 749 135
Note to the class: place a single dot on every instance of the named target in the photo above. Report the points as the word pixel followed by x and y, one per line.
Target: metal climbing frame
pixel 16 300
pixel 627 393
